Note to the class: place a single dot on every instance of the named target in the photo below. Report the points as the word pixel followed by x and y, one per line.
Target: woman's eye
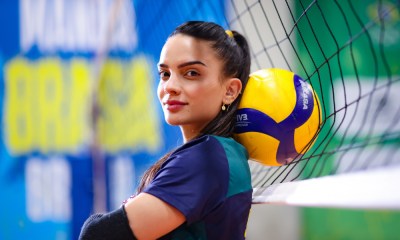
pixel 192 74
pixel 164 75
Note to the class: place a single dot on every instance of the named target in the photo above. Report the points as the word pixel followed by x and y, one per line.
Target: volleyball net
pixel 347 51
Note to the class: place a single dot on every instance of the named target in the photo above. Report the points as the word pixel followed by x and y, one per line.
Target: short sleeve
pixel 194 179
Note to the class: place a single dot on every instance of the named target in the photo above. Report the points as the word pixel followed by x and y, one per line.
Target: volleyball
pixel 278 117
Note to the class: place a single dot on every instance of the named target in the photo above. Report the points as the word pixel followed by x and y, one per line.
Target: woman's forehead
pixel 181 48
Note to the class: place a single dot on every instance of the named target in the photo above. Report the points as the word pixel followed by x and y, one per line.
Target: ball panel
pixel 262 148
pixel 304 134
pixel 270 86
pixel 304 105
pixel 286 151
pixel 251 120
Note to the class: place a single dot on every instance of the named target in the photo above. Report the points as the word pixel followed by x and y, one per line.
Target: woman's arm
pixel 151 218
pixel 143 217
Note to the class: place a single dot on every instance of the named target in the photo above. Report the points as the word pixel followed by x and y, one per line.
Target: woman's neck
pixel 190 131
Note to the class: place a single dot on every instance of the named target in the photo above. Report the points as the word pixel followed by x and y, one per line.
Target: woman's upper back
pixel 208 180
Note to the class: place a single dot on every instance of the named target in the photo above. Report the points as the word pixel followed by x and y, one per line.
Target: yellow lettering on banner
pixel 50 108
pixel 79 106
pixel 144 106
pixel 110 99
pixel 129 119
pixel 45 105
pixel 17 104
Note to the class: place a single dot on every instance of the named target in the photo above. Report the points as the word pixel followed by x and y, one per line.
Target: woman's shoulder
pixel 239 170
pixel 211 154
pixel 231 145
pixel 216 159
pixel 203 150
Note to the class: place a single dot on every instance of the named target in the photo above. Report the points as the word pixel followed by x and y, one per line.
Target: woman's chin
pixel 173 122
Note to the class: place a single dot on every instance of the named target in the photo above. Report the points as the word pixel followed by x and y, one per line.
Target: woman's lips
pixel 173 105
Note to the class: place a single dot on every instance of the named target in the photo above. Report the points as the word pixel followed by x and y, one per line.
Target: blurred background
pixel 81 122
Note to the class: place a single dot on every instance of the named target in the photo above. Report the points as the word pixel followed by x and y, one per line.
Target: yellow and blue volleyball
pixel 278 117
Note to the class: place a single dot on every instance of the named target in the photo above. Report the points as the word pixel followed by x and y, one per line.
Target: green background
pixel 323 223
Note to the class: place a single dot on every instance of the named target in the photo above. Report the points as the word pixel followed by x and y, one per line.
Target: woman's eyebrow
pixel 190 63
pixel 162 65
pixel 183 64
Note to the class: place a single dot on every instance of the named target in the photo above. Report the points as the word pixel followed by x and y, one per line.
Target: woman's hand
pixel 151 218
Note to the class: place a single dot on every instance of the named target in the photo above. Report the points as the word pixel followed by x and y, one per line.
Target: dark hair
pixel 234 52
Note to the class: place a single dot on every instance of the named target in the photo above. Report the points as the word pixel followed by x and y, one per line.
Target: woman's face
pixel 190 89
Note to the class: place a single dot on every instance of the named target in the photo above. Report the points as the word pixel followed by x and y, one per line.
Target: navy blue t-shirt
pixel 209 181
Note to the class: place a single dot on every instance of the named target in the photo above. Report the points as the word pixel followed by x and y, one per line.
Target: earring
pixel 223 106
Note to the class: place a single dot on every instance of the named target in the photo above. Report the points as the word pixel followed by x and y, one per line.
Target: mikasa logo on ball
pixel 305 94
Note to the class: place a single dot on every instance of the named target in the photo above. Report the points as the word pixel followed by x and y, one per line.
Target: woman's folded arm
pixel 144 217
pixel 113 225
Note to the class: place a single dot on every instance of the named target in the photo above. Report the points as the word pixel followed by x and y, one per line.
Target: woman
pixel 202 189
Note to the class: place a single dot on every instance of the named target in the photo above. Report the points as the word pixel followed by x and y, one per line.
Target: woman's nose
pixel 172 85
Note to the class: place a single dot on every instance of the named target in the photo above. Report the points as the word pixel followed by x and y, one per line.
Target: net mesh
pixel 348 52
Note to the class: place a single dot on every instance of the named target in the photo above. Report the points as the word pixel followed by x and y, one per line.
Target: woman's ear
pixel 233 89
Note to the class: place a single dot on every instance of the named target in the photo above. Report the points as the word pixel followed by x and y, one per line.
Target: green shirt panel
pixel 239 170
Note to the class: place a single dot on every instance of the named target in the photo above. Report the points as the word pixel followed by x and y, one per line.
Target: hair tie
pixel 229 33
